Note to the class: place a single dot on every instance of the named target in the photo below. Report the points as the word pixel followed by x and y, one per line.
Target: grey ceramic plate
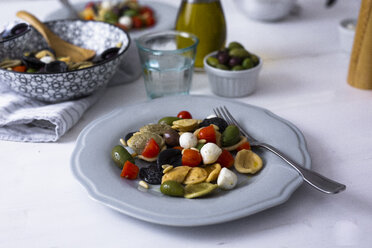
pixel 92 165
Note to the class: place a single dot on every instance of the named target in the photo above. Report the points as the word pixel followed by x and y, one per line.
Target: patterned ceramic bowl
pixel 11 47
pixel 56 87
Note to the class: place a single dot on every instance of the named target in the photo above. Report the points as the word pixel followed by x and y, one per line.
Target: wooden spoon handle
pixel 61 47
pixel 37 24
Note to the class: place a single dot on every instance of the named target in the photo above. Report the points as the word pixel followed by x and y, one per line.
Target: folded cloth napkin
pixel 28 120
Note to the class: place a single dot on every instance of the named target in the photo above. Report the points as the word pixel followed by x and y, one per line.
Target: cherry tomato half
pixel 178 147
pixel 130 170
pixel 137 22
pixel 226 159
pixel 146 10
pixel 20 68
pixel 184 115
pixel 245 146
pixel 151 149
pixel 149 21
pixel 207 133
pixel 191 158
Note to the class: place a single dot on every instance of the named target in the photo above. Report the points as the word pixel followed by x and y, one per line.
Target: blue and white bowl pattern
pixel 13 47
pixel 56 87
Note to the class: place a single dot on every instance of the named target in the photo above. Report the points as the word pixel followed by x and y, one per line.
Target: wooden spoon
pixel 62 48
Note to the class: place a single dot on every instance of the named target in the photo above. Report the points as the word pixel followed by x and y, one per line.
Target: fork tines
pixel 225 114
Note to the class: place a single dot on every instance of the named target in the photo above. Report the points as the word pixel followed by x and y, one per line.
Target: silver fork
pixel 316 180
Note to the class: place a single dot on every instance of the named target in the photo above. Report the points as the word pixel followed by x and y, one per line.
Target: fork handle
pixel 316 180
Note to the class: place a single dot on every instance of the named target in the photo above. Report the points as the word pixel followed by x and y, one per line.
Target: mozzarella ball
pixel 126 21
pixel 227 179
pixel 47 59
pixel 210 153
pixel 188 140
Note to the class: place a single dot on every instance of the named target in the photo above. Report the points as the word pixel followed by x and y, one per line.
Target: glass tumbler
pixel 167 60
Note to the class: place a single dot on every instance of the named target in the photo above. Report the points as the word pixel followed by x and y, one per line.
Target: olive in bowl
pixel 13 39
pixel 232 74
pixel 55 82
pixel 234 57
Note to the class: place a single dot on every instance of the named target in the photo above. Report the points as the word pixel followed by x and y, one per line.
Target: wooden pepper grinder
pixel 360 67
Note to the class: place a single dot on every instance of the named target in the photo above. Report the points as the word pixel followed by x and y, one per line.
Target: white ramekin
pixel 232 83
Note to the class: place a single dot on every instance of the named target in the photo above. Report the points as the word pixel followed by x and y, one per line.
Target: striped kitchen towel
pixel 28 120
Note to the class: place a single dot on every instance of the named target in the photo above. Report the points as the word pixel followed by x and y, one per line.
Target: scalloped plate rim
pixel 94 192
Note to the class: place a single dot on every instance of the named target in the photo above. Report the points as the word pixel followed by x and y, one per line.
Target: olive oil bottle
pixel 205 19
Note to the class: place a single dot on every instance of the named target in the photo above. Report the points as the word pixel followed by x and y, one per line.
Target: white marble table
pixel 303 81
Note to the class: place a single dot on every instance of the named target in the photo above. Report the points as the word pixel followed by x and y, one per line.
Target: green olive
pixel 222 67
pixel 168 120
pixel 212 61
pixel 255 59
pixel 239 52
pixel 172 188
pixel 238 68
pixel 235 44
pixel 247 63
pixel 230 136
pixel 120 155
pixel 130 12
pixel 199 146
pixel 110 17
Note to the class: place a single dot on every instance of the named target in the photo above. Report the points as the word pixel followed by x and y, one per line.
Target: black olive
pixel 235 61
pixel 151 174
pixel 32 62
pixel 221 123
pixel 41 70
pixel 223 57
pixel 19 28
pixel 97 59
pixel 56 67
pixel 170 156
pixel 110 53
pixel 171 137
pixel 128 136
pixel 123 9
pixel 116 10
